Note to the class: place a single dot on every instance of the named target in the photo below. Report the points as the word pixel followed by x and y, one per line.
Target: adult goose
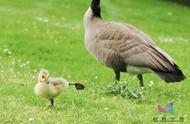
pixel 124 48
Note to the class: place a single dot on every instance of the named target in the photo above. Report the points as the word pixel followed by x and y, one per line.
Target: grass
pixel 49 34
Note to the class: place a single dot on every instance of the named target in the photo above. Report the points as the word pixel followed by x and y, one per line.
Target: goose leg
pixel 140 77
pixel 117 75
pixel 52 101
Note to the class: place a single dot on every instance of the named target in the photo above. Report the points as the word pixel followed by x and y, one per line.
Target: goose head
pixel 93 12
pixel 95 7
pixel 43 76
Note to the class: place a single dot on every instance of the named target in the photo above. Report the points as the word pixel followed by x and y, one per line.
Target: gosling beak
pixel 46 80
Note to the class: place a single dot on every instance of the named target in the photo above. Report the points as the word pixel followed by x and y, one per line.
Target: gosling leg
pixel 52 102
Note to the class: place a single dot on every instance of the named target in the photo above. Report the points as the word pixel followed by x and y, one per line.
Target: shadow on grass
pixel 182 2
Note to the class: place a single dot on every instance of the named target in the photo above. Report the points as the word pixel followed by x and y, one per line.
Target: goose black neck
pixel 95 6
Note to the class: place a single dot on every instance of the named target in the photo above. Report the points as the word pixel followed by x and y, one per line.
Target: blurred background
pixel 49 34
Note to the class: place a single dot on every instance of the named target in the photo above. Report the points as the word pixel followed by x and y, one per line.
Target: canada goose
pixel 52 87
pixel 124 48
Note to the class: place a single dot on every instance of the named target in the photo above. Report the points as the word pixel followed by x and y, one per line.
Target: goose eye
pixel 43 76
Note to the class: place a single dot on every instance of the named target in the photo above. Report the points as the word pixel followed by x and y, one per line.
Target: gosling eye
pixel 43 76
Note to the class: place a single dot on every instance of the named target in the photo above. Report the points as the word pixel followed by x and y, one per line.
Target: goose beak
pixel 46 81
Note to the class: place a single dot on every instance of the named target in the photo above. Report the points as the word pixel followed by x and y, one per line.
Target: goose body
pixel 124 48
pixel 52 89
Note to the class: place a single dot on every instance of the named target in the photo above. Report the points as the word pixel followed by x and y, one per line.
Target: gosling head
pixel 43 76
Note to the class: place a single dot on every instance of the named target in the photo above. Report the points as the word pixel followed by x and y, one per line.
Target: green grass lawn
pixel 49 34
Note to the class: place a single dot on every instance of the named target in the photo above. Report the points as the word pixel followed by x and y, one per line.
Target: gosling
pixel 52 87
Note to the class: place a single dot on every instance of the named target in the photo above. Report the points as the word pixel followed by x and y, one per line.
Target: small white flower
pixel 31 119
pixel 150 83
pixel 7 51
pixel 170 13
pixel 179 96
pixel 69 76
pixel 33 77
pixel 142 88
pixel 28 62
pixel 67 6
pixel 42 19
pixel 13 62
pixel 85 81
pixel 166 39
pixel 22 65
pixel 96 77
pixel 106 109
